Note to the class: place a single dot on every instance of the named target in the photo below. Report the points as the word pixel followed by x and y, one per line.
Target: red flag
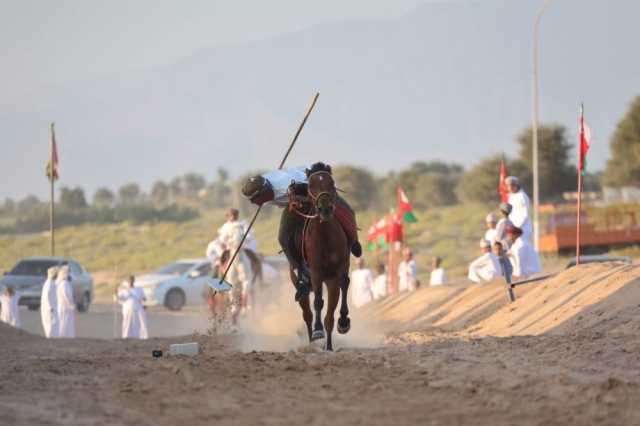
pixel 52 164
pixel 395 229
pixel 585 141
pixel 502 186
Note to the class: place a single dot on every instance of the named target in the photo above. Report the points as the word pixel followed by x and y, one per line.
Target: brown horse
pixel 326 252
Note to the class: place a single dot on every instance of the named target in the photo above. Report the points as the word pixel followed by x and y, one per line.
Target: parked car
pixel 177 284
pixel 183 282
pixel 28 276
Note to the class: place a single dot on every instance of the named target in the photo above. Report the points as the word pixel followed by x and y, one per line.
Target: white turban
pixel 63 273
pixel 491 218
pixel 51 272
pixel 511 180
pixel 484 243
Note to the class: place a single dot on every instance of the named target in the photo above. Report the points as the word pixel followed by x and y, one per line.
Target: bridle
pixel 315 198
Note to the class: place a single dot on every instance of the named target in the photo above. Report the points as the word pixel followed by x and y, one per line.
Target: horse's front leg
pixel 344 323
pixel 305 305
pixel 333 294
pixel 318 304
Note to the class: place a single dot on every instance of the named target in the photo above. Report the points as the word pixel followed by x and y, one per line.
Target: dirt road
pixel 572 375
pixel 103 322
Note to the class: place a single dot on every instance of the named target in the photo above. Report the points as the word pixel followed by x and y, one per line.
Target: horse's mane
pixel 318 167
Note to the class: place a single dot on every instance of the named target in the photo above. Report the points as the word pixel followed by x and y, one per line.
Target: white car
pixel 177 284
pixel 183 282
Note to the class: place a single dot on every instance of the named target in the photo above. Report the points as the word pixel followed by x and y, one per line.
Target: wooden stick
pixel 255 216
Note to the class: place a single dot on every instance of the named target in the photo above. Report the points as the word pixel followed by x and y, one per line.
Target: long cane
pixel 221 285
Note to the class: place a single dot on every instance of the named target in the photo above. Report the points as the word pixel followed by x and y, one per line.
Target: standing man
pixel 520 205
pixel 362 283
pixel 49 305
pixel 134 317
pixel 407 272
pixel 66 304
pixel 524 258
pixel 9 312
pixel 438 274
pixel 380 285
pixel 487 266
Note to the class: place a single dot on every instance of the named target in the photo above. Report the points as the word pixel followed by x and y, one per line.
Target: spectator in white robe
pixel 522 255
pixel 9 312
pixel 503 224
pixel 134 316
pixel 520 206
pixel 491 221
pixel 66 304
pixel 486 267
pixel 361 284
pixel 380 287
pixel 49 304
pixel 407 272
pixel 438 274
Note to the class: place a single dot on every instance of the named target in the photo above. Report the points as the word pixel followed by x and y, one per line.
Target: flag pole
pixel 52 244
pixel 580 168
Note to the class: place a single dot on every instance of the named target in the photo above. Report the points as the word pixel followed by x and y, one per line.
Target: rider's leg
pixel 347 218
pixel 290 227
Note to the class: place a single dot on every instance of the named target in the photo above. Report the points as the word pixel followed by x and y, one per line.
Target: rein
pixel 293 203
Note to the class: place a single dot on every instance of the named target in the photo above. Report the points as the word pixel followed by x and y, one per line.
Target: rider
pixel 274 187
pixel 240 274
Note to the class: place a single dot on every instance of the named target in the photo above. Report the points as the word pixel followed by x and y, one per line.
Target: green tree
pixel 623 167
pixel 72 198
pixel 129 194
pixel 426 184
pixel 557 174
pixel 192 183
pixel 358 184
pixel 104 198
pixel 160 193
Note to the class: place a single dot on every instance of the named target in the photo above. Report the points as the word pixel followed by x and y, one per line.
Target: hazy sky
pixel 58 57
pixel 44 42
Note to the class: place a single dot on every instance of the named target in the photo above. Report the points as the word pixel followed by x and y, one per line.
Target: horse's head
pixel 322 191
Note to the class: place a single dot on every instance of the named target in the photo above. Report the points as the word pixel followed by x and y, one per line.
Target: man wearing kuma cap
pixel 520 206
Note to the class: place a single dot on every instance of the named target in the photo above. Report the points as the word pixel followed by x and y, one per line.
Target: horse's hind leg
pixel 344 323
pixel 318 304
pixel 333 295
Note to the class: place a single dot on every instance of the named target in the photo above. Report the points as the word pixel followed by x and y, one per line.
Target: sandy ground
pixel 567 352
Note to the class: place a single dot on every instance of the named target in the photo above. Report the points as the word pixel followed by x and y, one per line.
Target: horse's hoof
pixel 317 335
pixel 344 325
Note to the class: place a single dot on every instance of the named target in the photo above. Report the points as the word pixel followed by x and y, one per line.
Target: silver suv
pixel 28 276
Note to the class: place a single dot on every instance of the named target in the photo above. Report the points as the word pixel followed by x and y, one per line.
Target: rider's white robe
pixel 240 274
pixel 280 181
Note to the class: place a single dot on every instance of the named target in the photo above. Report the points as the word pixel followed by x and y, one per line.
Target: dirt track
pixel 564 376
